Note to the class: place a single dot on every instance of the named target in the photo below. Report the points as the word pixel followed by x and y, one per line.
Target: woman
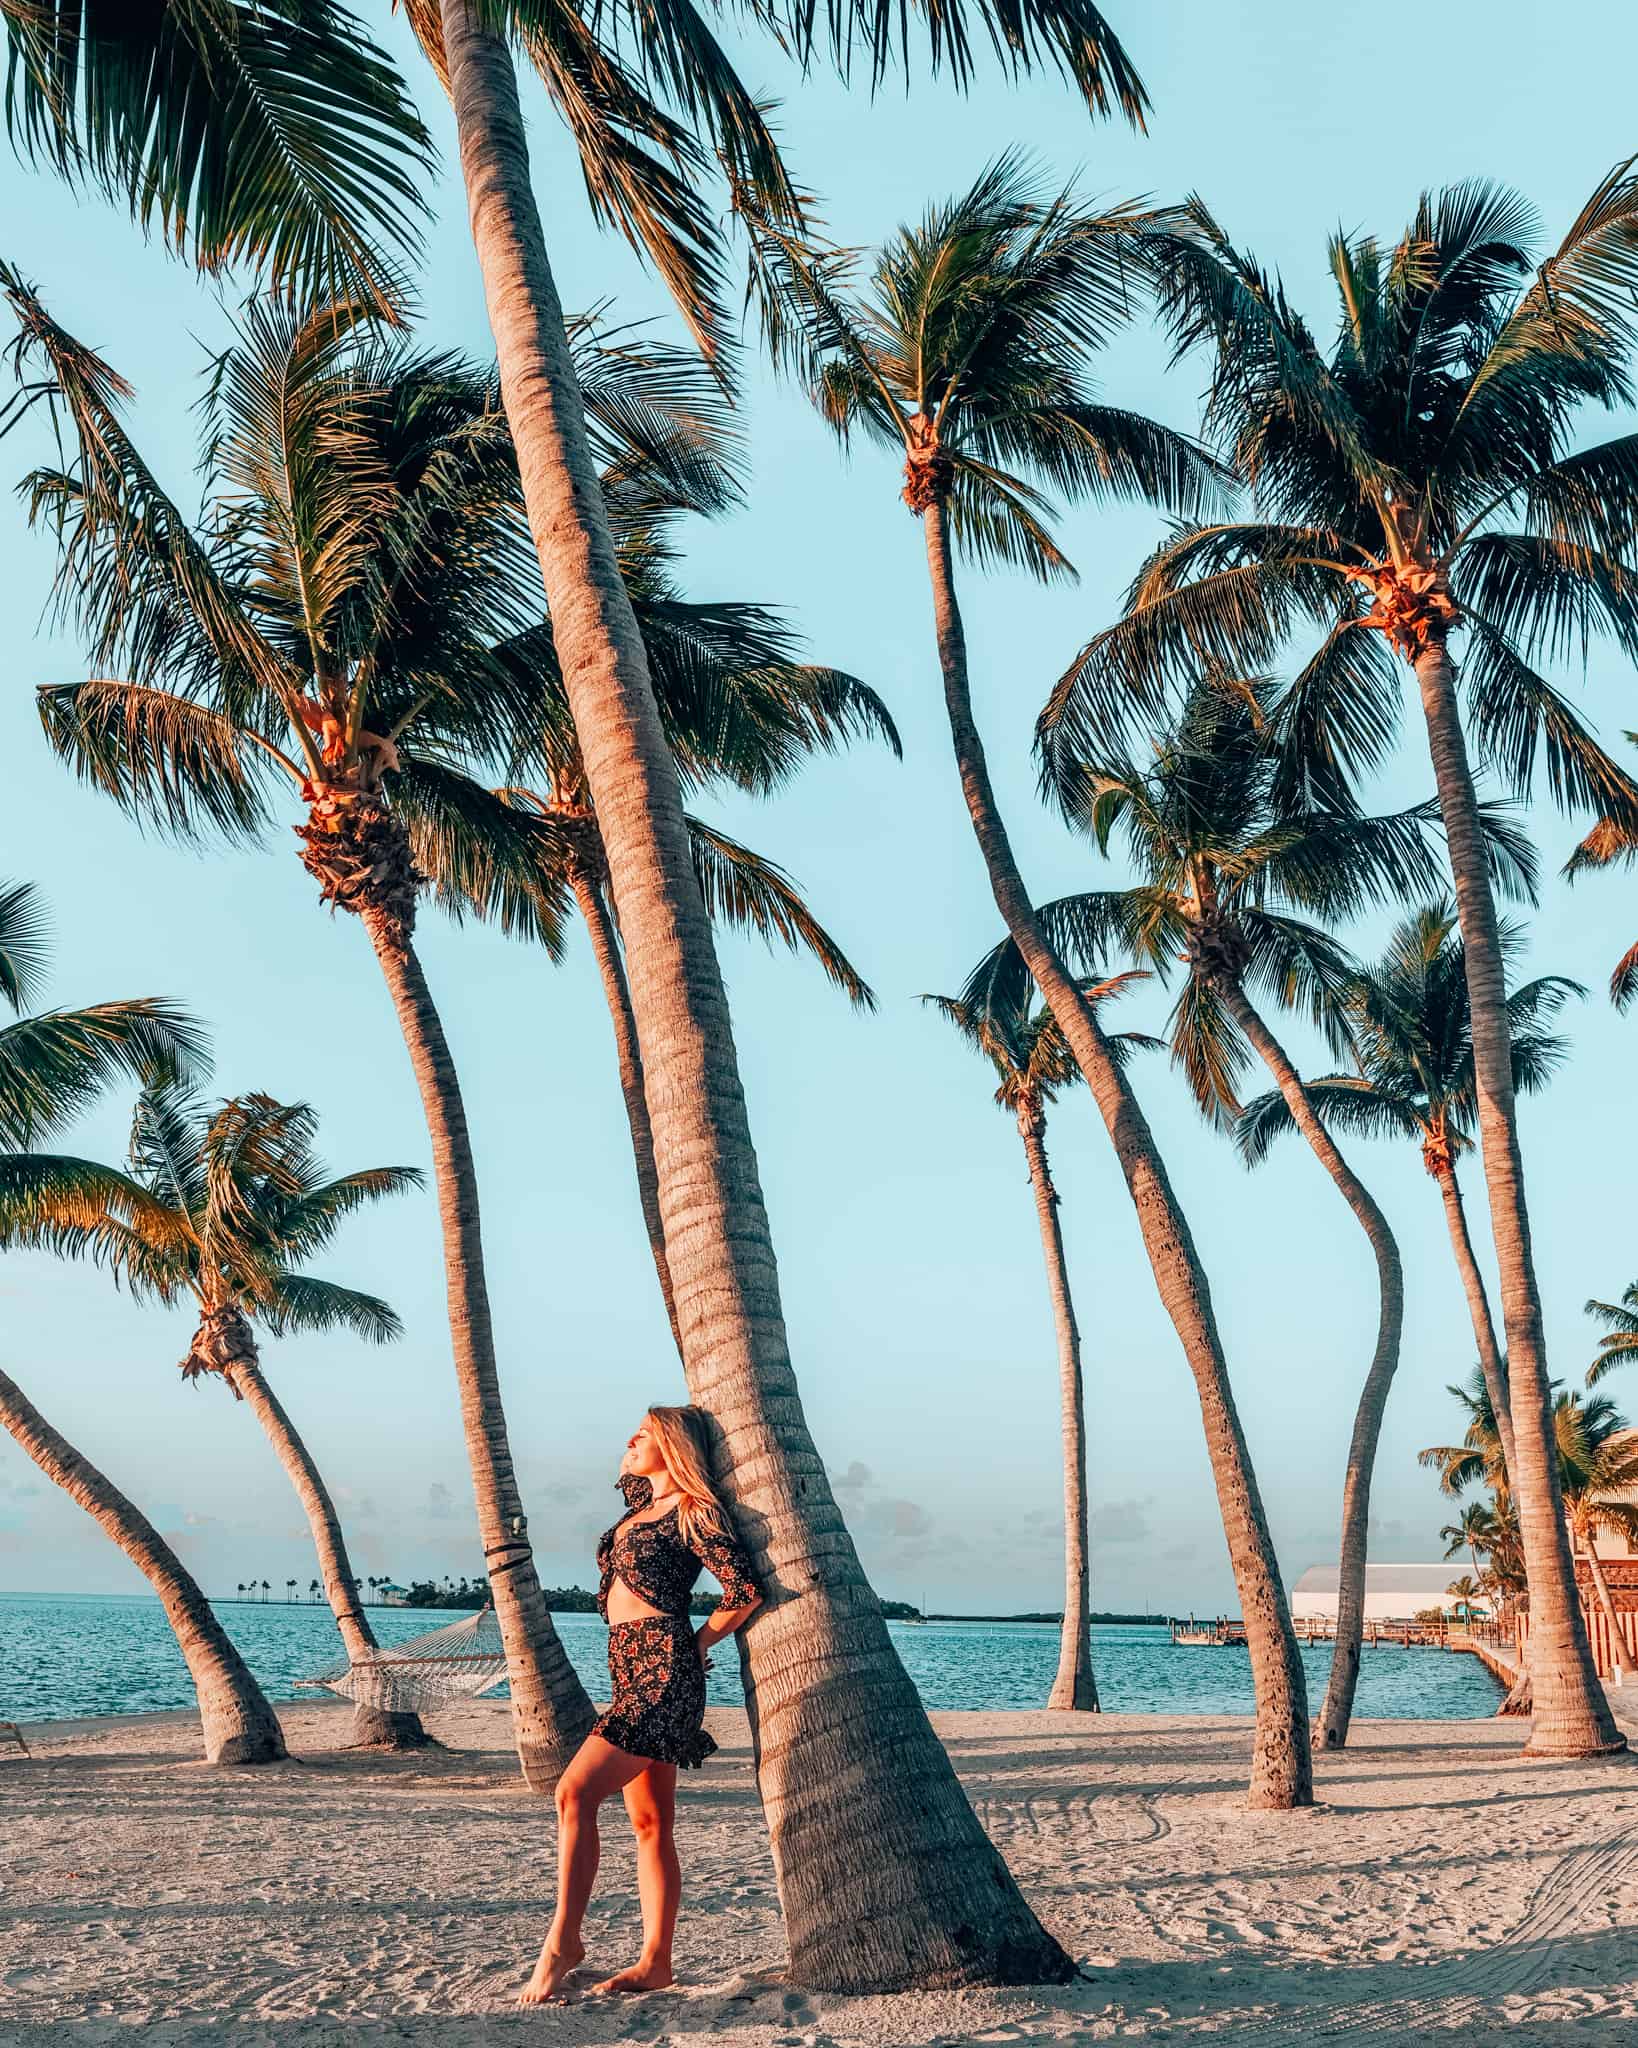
pixel 673 1525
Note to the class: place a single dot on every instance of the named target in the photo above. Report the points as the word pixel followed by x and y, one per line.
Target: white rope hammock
pixel 454 1663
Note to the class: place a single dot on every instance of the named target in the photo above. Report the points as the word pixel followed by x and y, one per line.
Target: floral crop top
pixel 653 1559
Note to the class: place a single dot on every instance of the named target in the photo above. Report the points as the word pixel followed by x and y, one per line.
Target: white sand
pixel 1445 1891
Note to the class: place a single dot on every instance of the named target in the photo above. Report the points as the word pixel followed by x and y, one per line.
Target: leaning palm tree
pixel 264 133
pixel 1619 1344
pixel 941 1914
pixel 326 636
pixel 1230 881
pixel 964 351
pixel 1406 1023
pixel 53 1065
pixel 220 1206
pixel 1033 1066
pixel 1418 487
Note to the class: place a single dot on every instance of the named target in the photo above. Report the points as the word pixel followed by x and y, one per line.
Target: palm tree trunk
pixel 1331 1730
pixel 239 1725
pixel 1571 1716
pixel 1074 1688
pixel 588 894
pixel 1478 1305
pixel 1612 1621
pixel 551 1713
pixel 373 1727
pixel 1281 1769
pixel 845 1751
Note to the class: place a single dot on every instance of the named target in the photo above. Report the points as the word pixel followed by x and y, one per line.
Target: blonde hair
pixel 680 1435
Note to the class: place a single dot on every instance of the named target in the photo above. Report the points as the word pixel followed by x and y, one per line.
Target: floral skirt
pixel 658 1704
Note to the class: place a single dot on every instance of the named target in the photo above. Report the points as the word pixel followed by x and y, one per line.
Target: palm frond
pixel 53 1066
pixel 748 892
pixel 268 131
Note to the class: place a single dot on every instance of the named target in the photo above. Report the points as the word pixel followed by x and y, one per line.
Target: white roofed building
pixel 1393 1592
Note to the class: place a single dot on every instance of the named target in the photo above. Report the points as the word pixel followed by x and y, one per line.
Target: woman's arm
pixel 721 1622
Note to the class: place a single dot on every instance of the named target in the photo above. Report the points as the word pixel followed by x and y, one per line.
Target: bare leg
pixel 597 1772
pixel 651 1803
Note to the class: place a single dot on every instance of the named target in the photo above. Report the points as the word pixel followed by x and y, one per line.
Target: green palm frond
pixel 1342 1102
pixel 78 1208
pixel 54 1065
pixel 273 132
pixel 486 856
pixel 1620 1320
pixel 748 892
pixel 295 1304
pixel 24 943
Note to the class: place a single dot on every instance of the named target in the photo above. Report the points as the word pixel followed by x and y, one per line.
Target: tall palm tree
pixel 1406 1022
pixel 53 1065
pixel 1033 1065
pixel 222 1206
pixel 919 1926
pixel 326 636
pixel 268 133
pixel 1228 866
pixel 1620 1343
pixel 964 349
pixel 1416 487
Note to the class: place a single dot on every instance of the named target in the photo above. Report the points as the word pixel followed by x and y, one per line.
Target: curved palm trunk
pixel 1331 1730
pixel 1074 1688
pixel 1281 1769
pixel 845 1752
pixel 606 950
pixel 1612 1621
pixel 551 1713
pixel 1571 1716
pixel 239 1725
pixel 1478 1304
pixel 373 1727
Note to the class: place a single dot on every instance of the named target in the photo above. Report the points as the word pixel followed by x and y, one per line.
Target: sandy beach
pixel 1444 1890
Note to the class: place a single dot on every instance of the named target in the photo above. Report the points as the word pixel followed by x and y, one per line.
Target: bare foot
pixel 554 1967
pixel 640 1977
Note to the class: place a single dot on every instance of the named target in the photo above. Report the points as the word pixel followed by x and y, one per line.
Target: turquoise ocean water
pixel 63 1657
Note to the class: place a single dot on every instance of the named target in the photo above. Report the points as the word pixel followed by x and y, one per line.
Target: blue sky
pixel 900 1209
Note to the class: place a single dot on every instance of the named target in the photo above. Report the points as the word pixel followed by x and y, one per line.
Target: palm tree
pixel 328 633
pixel 1597 1456
pixel 1465 1591
pixel 948 1912
pixel 964 350
pixel 1600 1474
pixel 267 132
pixel 1407 1026
pixel 1420 484
pixel 1226 870
pixel 238 1725
pixel 1033 1065
pixel 53 1065
pixel 1471 1531
pixel 1620 1320
pixel 222 1206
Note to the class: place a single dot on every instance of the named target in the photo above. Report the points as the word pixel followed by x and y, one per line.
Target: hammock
pixel 454 1663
